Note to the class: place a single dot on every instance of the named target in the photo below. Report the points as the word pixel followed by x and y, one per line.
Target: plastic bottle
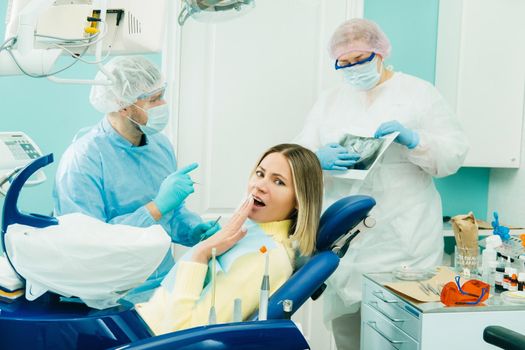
pixel 491 278
pixel 491 243
pixel 487 256
pixel 498 279
pixel 506 278
pixel 521 260
pixel 506 274
pixel 521 281
pixel 513 279
pixel 500 270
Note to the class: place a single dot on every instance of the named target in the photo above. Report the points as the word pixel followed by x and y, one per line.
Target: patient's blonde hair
pixel 308 185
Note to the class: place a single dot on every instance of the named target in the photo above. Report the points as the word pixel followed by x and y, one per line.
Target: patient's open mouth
pixel 258 202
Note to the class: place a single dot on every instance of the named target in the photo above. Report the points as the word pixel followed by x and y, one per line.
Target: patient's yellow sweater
pixel 187 306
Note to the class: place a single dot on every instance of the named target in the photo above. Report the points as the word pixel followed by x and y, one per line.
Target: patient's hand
pixel 226 238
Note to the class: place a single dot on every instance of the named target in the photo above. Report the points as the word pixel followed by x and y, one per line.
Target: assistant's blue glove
pixel 174 189
pixel 205 230
pixel 406 137
pixel 333 156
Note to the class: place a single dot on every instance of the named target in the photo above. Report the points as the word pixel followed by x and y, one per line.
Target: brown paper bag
pixel 466 233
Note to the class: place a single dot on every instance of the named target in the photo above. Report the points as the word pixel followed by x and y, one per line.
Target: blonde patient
pixel 283 208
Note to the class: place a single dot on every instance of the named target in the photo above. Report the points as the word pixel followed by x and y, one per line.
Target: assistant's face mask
pixel 363 76
pixel 158 117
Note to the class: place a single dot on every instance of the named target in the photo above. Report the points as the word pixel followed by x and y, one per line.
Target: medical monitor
pixel 133 26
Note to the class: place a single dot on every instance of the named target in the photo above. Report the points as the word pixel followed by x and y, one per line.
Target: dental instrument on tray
pixel 212 319
pixel 237 310
pixel 265 288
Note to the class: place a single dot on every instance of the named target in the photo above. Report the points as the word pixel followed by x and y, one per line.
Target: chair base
pixel 47 323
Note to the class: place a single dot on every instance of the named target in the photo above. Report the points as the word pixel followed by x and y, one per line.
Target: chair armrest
pixel 504 338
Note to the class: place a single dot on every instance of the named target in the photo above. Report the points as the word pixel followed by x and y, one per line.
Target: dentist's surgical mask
pixel 158 117
pixel 363 76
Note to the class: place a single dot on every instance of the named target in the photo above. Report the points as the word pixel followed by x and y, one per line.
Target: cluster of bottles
pixel 501 268
pixel 508 277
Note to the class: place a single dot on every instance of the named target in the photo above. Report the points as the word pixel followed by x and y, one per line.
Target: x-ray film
pixel 370 151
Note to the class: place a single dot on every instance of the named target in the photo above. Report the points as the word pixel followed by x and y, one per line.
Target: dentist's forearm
pixel 154 211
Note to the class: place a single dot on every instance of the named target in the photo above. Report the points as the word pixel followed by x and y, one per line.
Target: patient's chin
pixel 257 217
pixel 260 218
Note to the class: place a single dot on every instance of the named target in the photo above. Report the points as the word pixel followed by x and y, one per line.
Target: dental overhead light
pixel 38 32
pixel 214 10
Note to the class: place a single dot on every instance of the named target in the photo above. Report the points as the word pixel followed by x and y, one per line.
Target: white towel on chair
pixel 87 258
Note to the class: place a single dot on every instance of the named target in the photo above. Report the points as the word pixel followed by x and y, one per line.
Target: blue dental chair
pixel 48 323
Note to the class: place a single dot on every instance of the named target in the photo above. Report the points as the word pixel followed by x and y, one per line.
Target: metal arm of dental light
pixel 41 61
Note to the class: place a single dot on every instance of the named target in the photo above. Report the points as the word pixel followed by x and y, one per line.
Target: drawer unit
pixel 393 321
pixel 378 332
pixel 393 308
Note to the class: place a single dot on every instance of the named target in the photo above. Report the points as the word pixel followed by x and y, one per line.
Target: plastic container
pixel 513 297
pixel 412 274
pixel 491 277
pixel 466 259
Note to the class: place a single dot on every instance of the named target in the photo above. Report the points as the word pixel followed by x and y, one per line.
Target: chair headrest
pixel 341 217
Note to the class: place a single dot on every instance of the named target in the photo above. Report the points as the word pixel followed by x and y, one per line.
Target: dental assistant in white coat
pixel 378 101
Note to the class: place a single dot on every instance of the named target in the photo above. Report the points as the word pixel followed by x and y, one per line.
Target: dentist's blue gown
pixel 105 176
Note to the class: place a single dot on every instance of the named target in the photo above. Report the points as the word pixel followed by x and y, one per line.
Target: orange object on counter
pixel 472 292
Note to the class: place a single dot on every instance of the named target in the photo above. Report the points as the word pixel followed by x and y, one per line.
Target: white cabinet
pixel 378 332
pixel 386 319
pixel 390 321
pixel 480 71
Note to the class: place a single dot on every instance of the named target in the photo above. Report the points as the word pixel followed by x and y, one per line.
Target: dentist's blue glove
pixel 406 137
pixel 333 156
pixel 174 189
pixel 205 230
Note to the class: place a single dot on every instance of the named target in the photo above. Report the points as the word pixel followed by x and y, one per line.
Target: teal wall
pixel 49 113
pixel 411 26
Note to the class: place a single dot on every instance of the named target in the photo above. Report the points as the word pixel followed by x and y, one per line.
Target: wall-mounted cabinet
pixel 481 72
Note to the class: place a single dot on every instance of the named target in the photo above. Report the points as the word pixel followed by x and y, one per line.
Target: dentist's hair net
pixel 359 34
pixel 132 77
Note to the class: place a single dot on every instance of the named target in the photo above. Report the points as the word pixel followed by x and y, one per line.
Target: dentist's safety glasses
pixel 150 94
pixel 472 292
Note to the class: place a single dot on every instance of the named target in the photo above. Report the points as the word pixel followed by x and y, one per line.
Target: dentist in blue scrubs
pixel 124 171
